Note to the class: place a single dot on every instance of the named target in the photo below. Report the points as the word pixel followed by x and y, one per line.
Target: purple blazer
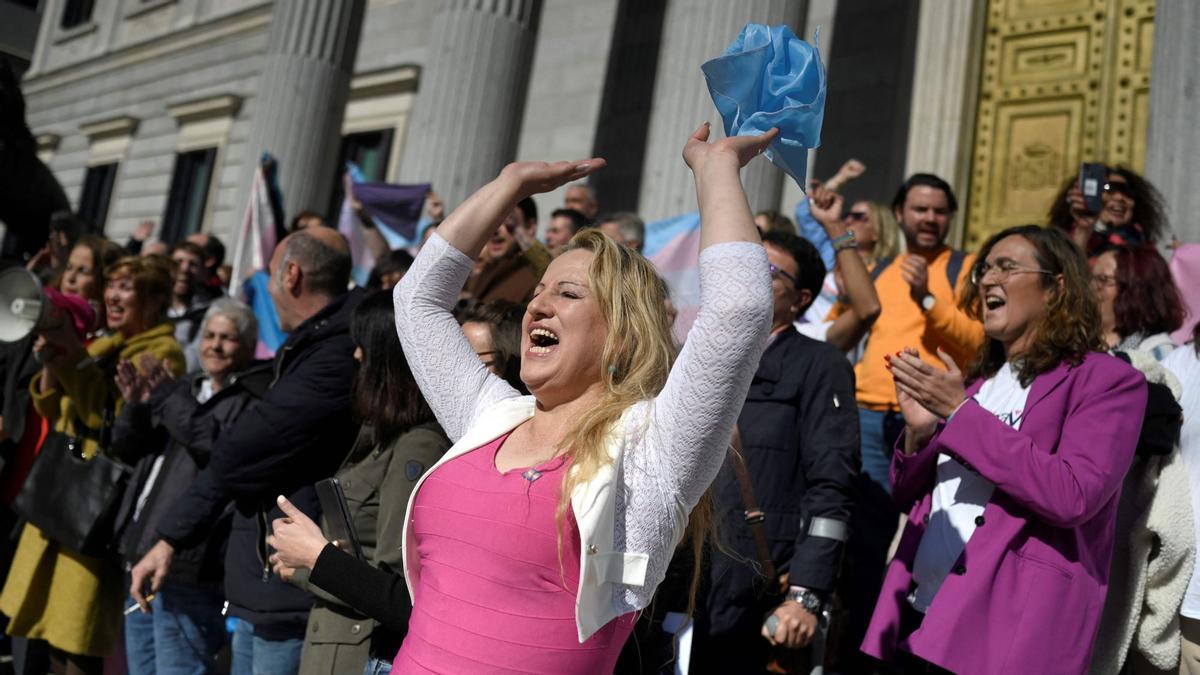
pixel 1027 593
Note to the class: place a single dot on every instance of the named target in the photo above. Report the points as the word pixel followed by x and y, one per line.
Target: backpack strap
pixel 954 267
pixel 880 266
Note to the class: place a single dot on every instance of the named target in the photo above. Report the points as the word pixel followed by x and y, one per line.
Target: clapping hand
pixel 926 393
pixel 154 370
pixel 136 386
pixel 130 383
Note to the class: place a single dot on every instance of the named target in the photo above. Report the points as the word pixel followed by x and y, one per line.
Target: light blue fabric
pixel 769 78
pixel 257 294
pixel 662 232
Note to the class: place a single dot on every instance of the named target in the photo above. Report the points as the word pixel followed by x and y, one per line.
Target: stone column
pixel 1173 137
pixel 945 85
pixel 467 114
pixel 695 31
pixel 301 98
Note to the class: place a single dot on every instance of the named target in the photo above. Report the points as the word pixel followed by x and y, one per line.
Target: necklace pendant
pixel 531 475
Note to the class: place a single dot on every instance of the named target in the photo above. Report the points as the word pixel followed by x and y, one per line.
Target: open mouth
pixel 993 301
pixel 542 341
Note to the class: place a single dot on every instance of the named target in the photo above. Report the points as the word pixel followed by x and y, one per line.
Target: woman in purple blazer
pixel 1010 483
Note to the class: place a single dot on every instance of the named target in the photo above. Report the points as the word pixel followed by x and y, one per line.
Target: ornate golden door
pixel 1062 82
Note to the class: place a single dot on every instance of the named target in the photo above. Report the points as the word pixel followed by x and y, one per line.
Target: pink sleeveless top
pixel 493 596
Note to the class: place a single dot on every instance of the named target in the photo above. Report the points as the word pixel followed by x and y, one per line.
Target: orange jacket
pixel 902 323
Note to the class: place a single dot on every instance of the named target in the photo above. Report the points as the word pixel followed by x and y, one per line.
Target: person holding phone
pixel 399 441
pixel 1129 211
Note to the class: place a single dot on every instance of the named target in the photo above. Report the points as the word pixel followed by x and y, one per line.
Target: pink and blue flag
pixel 673 245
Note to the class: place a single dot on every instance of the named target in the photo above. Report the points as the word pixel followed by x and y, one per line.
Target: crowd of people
pixel 873 452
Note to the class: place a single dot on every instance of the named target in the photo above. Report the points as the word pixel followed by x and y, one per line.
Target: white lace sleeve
pixel 693 417
pixel 454 380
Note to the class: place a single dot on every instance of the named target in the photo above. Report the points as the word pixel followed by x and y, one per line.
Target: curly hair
pixel 1148 210
pixel 1070 328
pixel 1148 301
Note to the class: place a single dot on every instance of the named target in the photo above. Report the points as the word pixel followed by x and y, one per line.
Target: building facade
pixel 158 109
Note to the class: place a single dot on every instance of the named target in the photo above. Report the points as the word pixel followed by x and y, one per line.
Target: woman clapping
pixel 1011 483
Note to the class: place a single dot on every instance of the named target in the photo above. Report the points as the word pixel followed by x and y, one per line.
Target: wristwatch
pixel 809 600
pixel 927 302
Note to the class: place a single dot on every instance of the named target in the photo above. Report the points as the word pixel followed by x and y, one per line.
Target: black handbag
pixel 72 500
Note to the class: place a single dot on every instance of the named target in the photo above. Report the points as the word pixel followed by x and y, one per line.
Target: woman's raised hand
pixel 741 149
pixel 532 178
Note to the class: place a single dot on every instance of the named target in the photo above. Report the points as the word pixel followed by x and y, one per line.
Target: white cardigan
pixel 666 451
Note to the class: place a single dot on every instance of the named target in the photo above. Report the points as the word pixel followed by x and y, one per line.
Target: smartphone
pixel 339 527
pixel 1092 177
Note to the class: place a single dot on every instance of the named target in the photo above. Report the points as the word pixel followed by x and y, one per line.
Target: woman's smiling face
pixel 563 332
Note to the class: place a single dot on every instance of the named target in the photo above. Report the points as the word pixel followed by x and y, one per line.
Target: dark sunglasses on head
pixel 856 216
pixel 1119 188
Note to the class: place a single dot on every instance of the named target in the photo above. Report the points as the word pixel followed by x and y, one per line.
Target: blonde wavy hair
pixel 890 243
pixel 637 358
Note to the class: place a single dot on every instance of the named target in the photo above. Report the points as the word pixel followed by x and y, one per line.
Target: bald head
pixel 323 257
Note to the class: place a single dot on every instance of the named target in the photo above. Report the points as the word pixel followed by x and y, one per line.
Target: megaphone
pixel 22 303
pixel 25 306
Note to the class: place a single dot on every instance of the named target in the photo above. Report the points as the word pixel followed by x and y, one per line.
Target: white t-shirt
pixel 818 311
pixel 817 331
pixel 1185 366
pixel 961 494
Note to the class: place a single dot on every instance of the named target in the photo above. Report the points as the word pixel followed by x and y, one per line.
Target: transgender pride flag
pixel 673 245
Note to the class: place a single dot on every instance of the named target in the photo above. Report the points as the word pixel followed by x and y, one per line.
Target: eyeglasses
pixel 1003 268
pixel 1119 188
pixel 1103 281
pixel 856 216
pixel 775 270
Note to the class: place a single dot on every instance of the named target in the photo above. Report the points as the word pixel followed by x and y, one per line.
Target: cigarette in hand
pixel 133 608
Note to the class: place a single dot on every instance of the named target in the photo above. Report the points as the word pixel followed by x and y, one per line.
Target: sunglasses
pixel 1119 188
pixel 856 216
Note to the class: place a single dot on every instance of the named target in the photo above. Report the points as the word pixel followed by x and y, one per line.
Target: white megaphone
pixel 22 303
